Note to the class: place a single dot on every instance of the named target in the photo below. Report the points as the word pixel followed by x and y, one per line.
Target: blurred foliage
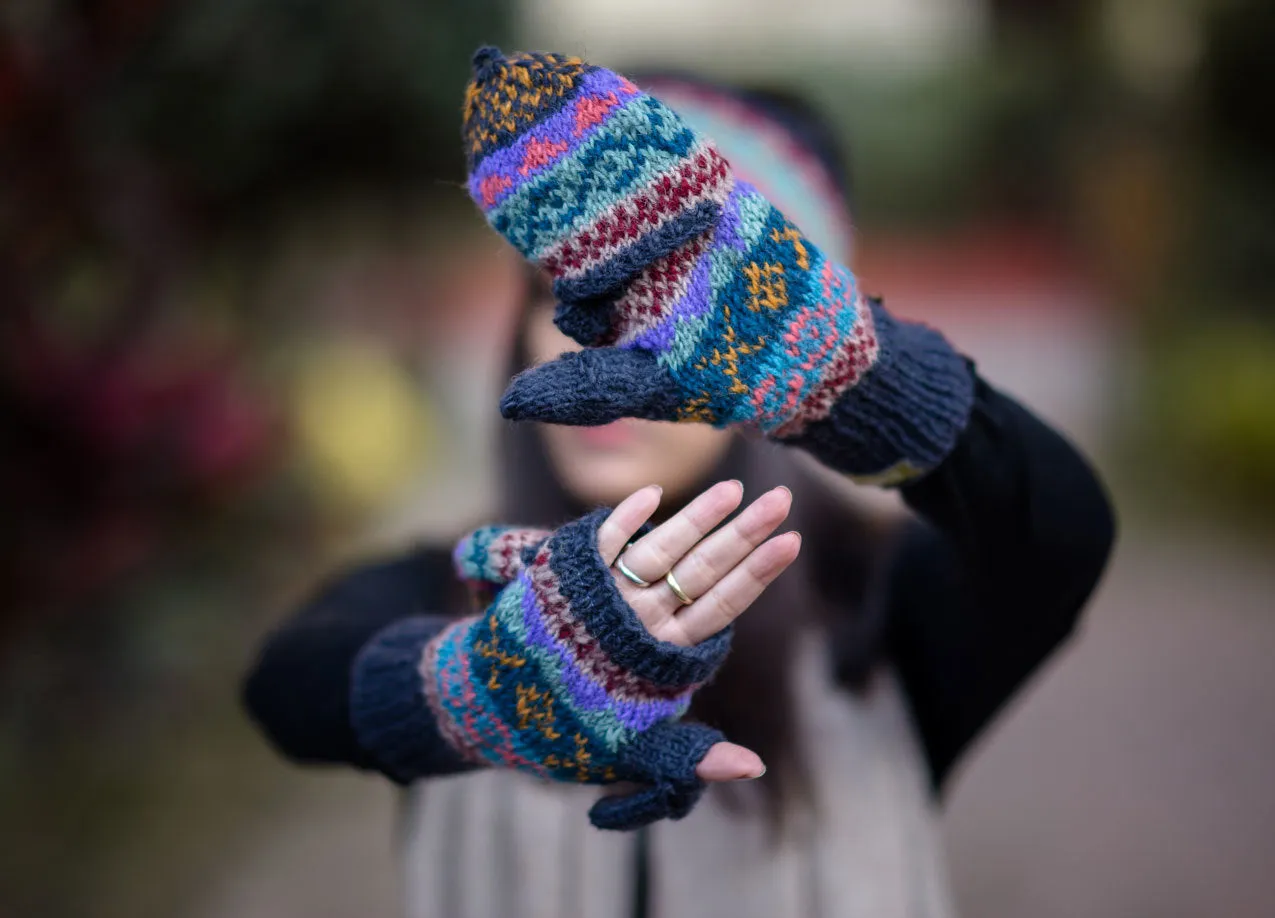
pixel 1208 414
pixel 146 143
pixel 980 138
pixel 1208 403
pixel 253 98
pixel 359 422
pixel 1233 239
pixel 168 480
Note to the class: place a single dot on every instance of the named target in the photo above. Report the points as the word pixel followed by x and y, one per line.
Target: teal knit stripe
pixel 632 148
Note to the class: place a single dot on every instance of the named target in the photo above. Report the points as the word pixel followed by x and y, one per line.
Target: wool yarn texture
pixel 695 298
pixel 559 678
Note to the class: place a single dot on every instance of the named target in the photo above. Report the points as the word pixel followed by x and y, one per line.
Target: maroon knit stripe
pixel 592 660
pixel 627 220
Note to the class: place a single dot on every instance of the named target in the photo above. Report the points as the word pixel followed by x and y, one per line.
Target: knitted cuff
pixel 904 416
pixel 586 582
pixel 388 709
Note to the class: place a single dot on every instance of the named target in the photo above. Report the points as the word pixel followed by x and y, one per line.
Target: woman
pixel 854 682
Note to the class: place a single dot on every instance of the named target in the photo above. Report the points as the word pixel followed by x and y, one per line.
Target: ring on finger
pixel 677 589
pixel 624 569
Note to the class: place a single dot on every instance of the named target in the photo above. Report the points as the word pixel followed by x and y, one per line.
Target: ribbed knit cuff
pixel 388 711
pixel 901 419
pixel 587 584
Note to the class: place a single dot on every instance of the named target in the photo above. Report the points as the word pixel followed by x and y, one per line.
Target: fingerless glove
pixel 559 678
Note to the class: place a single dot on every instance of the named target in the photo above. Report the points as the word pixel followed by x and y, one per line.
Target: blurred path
pixel 1133 778
pixel 1136 777
pixel 325 851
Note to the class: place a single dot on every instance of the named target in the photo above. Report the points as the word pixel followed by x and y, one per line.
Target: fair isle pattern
pixel 516 92
pixel 529 685
pixel 493 554
pixel 768 157
pixel 583 173
pixel 752 321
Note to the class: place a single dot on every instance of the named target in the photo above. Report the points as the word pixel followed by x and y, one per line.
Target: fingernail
pixel 658 489
pixel 738 482
pixel 753 777
pixel 785 489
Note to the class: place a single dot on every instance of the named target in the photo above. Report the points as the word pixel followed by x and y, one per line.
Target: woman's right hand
pixel 721 572
pixel 562 676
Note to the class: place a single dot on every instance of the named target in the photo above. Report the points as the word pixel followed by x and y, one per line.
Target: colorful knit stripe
pixel 451 694
pixel 705 268
pixel 767 156
pixel 504 171
pixel 646 310
pixel 751 277
pixel 493 554
pixel 627 152
pixel 845 366
pixel 493 706
pixel 702 176
pixel 513 94
pixel 597 682
pixel 528 686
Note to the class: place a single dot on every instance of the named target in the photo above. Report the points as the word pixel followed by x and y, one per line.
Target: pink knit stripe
pixel 456 684
pixel 849 363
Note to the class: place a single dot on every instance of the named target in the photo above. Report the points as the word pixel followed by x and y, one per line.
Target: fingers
pixel 729 762
pixel 654 555
pixel 625 520
pixel 716 556
pixel 735 592
pixel 591 387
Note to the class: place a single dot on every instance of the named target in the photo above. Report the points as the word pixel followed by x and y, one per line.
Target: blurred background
pixel 251 328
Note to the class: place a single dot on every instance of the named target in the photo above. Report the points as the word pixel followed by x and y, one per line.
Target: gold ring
pixel 624 569
pixel 677 589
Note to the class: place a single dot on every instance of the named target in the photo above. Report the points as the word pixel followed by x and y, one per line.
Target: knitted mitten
pixel 696 299
pixel 559 678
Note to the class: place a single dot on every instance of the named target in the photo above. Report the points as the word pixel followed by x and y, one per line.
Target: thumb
pixel 729 762
pixel 591 387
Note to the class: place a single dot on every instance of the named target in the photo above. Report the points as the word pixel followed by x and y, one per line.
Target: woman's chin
pixel 604 479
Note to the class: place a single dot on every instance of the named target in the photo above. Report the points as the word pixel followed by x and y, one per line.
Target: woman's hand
pixel 722 572
pixel 573 675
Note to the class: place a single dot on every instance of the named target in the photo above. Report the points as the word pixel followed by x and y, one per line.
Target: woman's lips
pixel 616 435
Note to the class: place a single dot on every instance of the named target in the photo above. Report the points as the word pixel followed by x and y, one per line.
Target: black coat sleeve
pixel 299 688
pixel 1014 534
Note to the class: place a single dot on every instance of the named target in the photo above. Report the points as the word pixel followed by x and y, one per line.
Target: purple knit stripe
pixel 559 126
pixel 694 302
pixel 587 695
pixel 727 233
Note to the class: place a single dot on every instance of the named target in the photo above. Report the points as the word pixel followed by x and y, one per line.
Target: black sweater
pixel 1013 533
